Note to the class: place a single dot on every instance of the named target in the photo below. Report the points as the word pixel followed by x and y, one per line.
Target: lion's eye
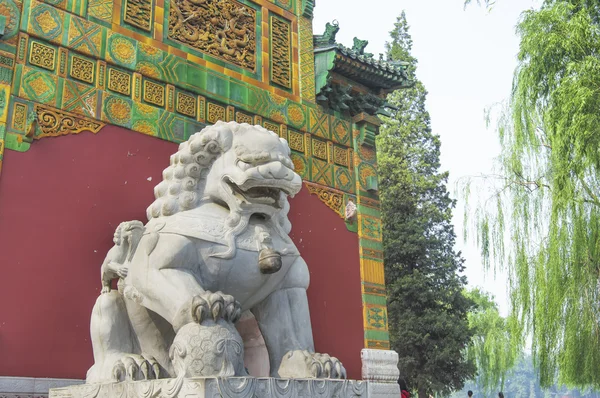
pixel 243 165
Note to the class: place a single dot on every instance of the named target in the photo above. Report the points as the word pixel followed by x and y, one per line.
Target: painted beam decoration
pixel 168 68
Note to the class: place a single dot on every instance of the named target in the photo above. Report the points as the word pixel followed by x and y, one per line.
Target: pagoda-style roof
pixel 351 80
pixel 377 75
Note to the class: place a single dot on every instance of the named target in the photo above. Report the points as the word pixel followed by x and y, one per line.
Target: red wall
pixel 59 205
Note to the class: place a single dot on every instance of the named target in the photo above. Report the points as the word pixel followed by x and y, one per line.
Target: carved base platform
pixel 232 387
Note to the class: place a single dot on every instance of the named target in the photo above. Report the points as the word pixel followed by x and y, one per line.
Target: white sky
pixel 466 60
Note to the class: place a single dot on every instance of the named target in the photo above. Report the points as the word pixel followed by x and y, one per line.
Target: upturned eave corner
pixel 351 81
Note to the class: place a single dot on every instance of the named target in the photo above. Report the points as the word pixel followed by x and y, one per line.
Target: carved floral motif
pixel 119 82
pixel 281 60
pixel 19 116
pixel 332 198
pixel 243 118
pixel 82 69
pixel 215 113
pixel 340 156
pixel 296 141
pixel 154 93
pixel 54 122
pixel 139 13
pixel 319 149
pixel 42 56
pixel 186 104
pixel 224 29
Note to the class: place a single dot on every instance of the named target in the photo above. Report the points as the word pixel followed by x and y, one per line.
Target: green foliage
pixel 488 3
pixel 549 189
pixel 427 310
pixel 522 382
pixel 494 348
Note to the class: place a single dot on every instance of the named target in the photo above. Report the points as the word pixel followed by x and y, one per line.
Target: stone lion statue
pixel 216 244
pixel 115 265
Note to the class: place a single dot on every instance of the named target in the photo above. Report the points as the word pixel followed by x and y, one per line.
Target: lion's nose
pixel 274 170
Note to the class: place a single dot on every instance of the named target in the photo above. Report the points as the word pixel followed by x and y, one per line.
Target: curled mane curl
pixel 183 181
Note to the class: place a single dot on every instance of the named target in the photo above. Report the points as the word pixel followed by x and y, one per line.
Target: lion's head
pixel 244 168
pixel 127 232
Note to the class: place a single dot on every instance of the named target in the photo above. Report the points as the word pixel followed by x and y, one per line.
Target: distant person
pixel 500 395
pixel 470 393
pixel 404 389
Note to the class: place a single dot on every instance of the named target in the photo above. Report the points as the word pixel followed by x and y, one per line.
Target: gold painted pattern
pixel 119 82
pixel 154 93
pixel 215 113
pixel 333 198
pixel 319 149
pixel 296 141
pixel 46 22
pixel 139 13
pixel 224 29
pixel 82 69
pixel 42 56
pixel 281 53
pixel 54 122
pixel 340 156
pixel 19 116
pixel 243 118
pixel 186 104
pixel 271 127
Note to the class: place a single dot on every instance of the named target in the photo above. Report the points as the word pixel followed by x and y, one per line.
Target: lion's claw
pixel 215 306
pixel 133 367
pixel 304 364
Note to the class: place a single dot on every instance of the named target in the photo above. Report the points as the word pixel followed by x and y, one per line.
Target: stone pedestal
pixel 380 371
pixel 231 387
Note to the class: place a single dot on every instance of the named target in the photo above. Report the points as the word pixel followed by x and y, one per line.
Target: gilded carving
pixel 21 52
pixel 271 127
pixel 243 118
pixel 42 56
pixel 82 69
pixel 39 86
pixel 186 104
pixel 63 54
pixel 332 198
pixel 170 97
pixel 119 82
pixel 54 122
pixel 281 57
pixel 19 116
pixel 154 93
pixel 101 70
pixel 340 156
pixel 139 13
pixel 319 149
pixel 296 141
pixel 46 22
pixel 224 29
pixel 215 113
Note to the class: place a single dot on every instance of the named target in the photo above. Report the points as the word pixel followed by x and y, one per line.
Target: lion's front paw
pixel 215 306
pixel 133 367
pixel 303 364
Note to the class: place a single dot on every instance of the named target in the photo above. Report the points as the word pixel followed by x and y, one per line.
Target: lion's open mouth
pixel 257 194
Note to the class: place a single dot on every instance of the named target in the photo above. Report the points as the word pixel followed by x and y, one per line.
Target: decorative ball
pixel 210 349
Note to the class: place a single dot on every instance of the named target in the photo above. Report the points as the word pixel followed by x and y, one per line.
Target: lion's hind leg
pixel 111 336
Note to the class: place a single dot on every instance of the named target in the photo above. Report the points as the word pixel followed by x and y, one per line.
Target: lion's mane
pixel 182 187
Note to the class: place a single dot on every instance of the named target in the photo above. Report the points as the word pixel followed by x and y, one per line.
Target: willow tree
pixel 546 201
pixel 494 348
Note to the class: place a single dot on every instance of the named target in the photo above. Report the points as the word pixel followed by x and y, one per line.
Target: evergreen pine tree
pixel 427 310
